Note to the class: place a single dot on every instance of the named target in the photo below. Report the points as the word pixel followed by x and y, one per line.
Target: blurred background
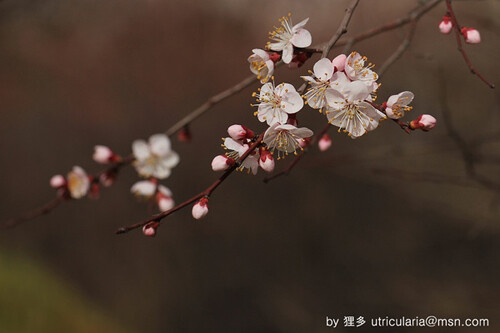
pixel 386 225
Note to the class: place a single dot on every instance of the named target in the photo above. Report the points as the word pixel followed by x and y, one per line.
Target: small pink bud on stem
pixel 240 132
pixel 57 181
pixel 104 155
pixel 200 209
pixel 325 142
pixel 222 163
pixel 266 160
pixel 424 122
pixel 445 25
pixel 471 35
pixel 339 62
pixel 149 229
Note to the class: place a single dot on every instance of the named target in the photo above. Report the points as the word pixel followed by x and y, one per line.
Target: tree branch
pixel 458 36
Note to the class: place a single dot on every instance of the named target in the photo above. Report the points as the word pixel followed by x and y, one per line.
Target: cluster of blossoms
pixel 344 89
pixel 152 160
pixel 470 35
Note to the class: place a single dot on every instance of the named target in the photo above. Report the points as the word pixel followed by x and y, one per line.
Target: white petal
pixel 261 53
pixel 300 25
pixel 159 144
pixel 355 91
pixel 165 190
pixel 335 99
pixel 161 171
pixel 287 53
pixel 292 102
pixel 323 69
pixel 143 188
pixel 140 150
pixel 302 132
pixel 170 160
pixel 301 38
pixel 232 144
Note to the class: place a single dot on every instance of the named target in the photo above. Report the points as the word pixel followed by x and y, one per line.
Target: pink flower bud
pixel 445 25
pixel 102 154
pixel 275 57
pixel 149 229
pixel 266 160
pixel 325 142
pixel 240 132
pixel 108 178
pixel 471 35
pixel 200 209
pixel 184 135
pixel 222 163
pixel 57 181
pixel 339 62
pixel 424 122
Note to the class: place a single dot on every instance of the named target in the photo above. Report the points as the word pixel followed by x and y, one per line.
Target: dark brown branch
pixel 45 209
pixel 206 193
pixel 458 36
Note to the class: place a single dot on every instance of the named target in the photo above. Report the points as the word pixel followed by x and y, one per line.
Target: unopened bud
pixel 266 160
pixel 240 132
pixel 200 209
pixel 339 62
pixel 107 178
pixel 445 25
pixel 471 35
pixel 103 154
pixel 325 142
pixel 57 181
pixel 222 163
pixel 274 56
pixel 184 135
pixel 304 142
pixel 149 229
pixel 424 122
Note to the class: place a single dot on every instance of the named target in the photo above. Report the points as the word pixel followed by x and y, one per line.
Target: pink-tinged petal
pixel 323 69
pixel 300 25
pixel 390 113
pixel 252 163
pixel 339 62
pixel 349 63
pixel 292 102
pixel 287 53
pixel 140 150
pixel 159 144
pixel 301 38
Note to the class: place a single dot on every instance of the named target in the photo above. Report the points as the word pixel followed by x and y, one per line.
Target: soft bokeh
pixel 357 230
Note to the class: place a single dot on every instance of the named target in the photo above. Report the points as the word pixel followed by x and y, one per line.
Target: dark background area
pixel 337 237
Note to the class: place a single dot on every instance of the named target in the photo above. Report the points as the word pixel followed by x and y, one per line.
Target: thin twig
pixel 45 209
pixel 400 50
pixel 341 30
pixel 457 28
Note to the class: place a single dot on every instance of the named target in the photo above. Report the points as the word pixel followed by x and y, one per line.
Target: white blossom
pixel 261 65
pixel 287 35
pixel 154 158
pixel 276 103
pixel 285 138
pixel 236 149
pixel 397 105
pixel 349 111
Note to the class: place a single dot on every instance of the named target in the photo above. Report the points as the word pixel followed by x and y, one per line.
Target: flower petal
pixel 287 53
pixel 159 144
pixel 292 102
pixel 140 150
pixel 301 38
pixel 323 69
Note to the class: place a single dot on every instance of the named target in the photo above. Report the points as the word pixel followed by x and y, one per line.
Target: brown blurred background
pixel 337 237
